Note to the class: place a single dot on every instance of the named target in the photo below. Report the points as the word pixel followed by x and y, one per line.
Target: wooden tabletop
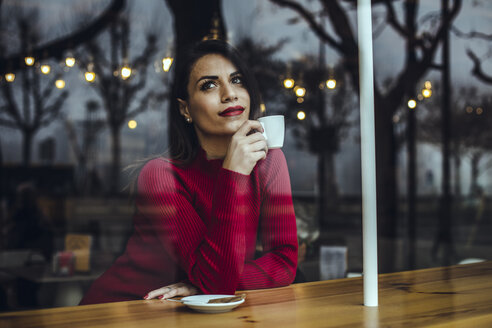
pixel 458 296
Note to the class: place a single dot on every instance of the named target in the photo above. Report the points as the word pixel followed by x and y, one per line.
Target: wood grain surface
pixel 457 296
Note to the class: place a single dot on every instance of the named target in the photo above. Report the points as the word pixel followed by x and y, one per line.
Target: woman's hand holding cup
pixel 246 148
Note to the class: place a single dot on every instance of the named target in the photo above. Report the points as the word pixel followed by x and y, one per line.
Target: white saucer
pixel 199 303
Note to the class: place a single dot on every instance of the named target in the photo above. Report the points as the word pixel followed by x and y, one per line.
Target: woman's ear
pixel 183 108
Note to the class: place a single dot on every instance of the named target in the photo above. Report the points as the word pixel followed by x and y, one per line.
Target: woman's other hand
pixel 246 148
pixel 178 289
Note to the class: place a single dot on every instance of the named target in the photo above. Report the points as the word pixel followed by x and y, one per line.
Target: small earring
pixel 188 119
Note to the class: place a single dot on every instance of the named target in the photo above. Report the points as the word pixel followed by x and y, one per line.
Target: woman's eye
pixel 207 85
pixel 237 80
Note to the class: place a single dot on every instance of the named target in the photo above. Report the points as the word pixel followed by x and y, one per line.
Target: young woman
pixel 201 211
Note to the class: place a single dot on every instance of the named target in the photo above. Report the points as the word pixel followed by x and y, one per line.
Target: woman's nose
pixel 228 94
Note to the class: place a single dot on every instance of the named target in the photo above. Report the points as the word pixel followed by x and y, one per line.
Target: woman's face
pixel 218 102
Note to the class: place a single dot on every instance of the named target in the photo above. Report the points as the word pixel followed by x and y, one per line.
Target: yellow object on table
pixel 80 245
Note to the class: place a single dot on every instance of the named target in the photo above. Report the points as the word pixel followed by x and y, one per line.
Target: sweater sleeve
pixel 278 263
pixel 211 254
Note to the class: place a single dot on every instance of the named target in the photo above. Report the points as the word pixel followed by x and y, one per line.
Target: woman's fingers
pixel 157 292
pixel 186 290
pixel 259 146
pixel 249 125
pixel 249 132
pixel 164 291
pixel 257 136
pixel 178 289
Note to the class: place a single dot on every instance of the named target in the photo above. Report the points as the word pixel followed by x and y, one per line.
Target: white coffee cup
pixel 274 127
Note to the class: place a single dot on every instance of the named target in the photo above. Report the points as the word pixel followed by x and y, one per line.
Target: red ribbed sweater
pixel 201 224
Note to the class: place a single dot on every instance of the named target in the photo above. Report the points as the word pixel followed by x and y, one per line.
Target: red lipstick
pixel 232 111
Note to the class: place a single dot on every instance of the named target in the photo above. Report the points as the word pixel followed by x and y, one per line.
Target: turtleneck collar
pixel 203 155
pixel 206 164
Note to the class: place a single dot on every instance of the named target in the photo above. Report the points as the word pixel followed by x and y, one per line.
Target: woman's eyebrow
pixel 207 77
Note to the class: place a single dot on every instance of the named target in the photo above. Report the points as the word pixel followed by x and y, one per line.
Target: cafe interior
pixel 391 178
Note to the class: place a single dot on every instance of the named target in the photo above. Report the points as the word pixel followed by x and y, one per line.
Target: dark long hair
pixel 183 141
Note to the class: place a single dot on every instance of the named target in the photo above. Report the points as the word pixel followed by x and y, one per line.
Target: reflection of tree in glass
pixel 328 116
pixel 420 45
pixel 56 48
pixel 483 141
pixel 38 105
pixel 120 82
pixel 471 137
pixel 84 149
pixel 477 69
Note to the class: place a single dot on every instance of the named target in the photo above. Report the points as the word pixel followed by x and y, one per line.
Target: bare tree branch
pixel 378 29
pixel 430 51
pixel 96 52
pixel 56 48
pixel 150 48
pixel 393 20
pixel 341 25
pixel 49 87
pixel 309 18
pixel 477 68
pixel 8 123
pixel 38 105
pixel 134 89
pixel 72 137
pixel 471 35
pixel 412 73
pixel 52 111
pixel 118 92
pixel 143 105
pixel 436 66
pixel 11 108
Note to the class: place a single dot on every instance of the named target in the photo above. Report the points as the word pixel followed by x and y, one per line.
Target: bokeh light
pixel 331 84
pixel 300 92
pixel 426 93
pixel 45 69
pixel 126 72
pixel 10 77
pixel 70 61
pixel 29 60
pixel 166 64
pixel 288 83
pixel 132 124
pixel 90 76
pixel 60 84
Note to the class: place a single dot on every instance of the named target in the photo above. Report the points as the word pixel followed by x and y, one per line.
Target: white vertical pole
pixel 368 154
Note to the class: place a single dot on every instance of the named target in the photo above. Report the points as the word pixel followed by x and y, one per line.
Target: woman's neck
pixel 215 147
